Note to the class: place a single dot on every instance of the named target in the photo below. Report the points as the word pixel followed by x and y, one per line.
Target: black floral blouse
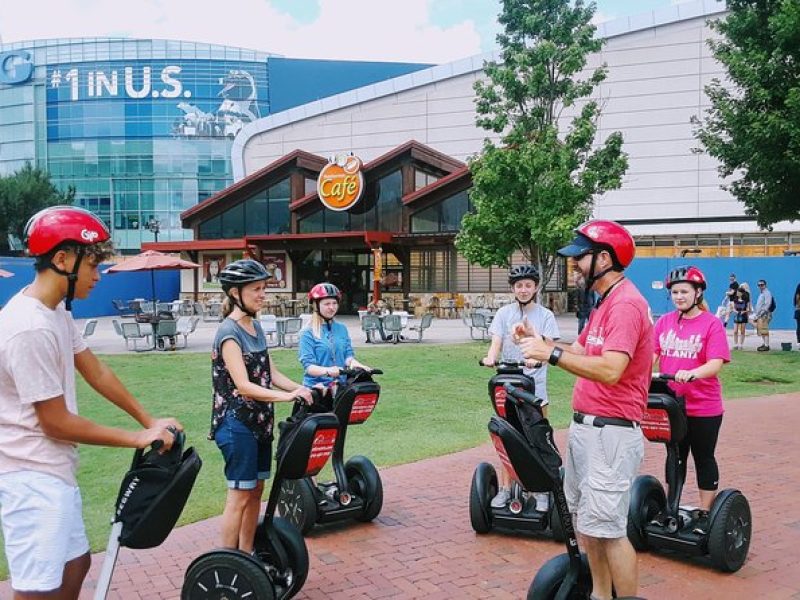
pixel 226 400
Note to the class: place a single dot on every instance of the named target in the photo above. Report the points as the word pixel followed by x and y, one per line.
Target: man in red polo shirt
pixel 612 358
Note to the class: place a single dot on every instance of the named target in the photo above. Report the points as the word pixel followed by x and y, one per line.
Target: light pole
pixel 154 225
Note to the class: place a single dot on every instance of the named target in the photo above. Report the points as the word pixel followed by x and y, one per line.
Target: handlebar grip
pixel 376 372
pixel 157 445
pixel 522 395
pixel 664 376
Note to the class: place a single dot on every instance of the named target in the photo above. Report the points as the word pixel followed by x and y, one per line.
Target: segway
pixel 657 520
pixel 278 567
pixel 357 492
pixel 150 500
pixel 520 514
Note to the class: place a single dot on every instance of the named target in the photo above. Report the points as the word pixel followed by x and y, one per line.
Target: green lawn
pixel 433 402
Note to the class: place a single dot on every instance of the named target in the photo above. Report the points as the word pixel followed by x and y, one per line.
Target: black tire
pixel 297 503
pixel 365 482
pixel 213 575
pixel 548 579
pixel 482 490
pixel 731 532
pixel 296 552
pixel 556 526
pixel 647 500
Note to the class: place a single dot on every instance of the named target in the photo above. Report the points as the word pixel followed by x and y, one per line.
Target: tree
pixel 753 125
pixel 530 191
pixel 22 195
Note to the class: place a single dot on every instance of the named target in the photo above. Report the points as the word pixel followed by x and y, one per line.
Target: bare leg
pixel 232 515
pixel 611 560
pixel 598 564
pixel 247 531
pixel 707 498
pixel 71 582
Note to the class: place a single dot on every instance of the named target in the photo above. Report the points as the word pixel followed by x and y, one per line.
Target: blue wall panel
pixel 781 273
pixel 295 81
pixel 123 286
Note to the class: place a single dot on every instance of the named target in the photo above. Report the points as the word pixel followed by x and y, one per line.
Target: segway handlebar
pixel 523 396
pixel 668 377
pixel 502 363
pixel 347 372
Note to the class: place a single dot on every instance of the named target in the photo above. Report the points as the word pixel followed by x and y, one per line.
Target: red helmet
pixel 324 290
pixel 602 235
pixel 50 227
pixel 691 275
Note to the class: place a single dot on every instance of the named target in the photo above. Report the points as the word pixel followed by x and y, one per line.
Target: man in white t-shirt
pixel 524 281
pixel 40 348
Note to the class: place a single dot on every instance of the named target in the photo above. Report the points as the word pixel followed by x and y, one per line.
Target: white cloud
pixel 345 29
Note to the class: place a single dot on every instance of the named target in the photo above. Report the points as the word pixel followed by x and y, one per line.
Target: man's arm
pixel 59 423
pixel 103 380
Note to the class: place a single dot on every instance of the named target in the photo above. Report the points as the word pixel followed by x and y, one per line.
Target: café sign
pixel 341 182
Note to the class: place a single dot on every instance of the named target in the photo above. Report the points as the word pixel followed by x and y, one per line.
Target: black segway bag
pixel 154 492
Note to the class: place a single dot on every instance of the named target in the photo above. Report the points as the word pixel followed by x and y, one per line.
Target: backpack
pixel 772 305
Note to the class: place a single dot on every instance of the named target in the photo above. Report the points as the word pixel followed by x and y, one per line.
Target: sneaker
pixel 701 525
pixel 763 349
pixel 542 501
pixel 501 499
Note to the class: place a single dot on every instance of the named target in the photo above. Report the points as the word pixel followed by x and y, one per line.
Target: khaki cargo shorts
pixel 600 466
pixel 762 324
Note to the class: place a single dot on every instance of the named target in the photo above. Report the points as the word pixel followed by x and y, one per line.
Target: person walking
pixel 244 381
pixel 730 295
pixel 741 308
pixel 612 359
pixel 691 344
pixel 40 349
pixel 763 314
pixel 524 282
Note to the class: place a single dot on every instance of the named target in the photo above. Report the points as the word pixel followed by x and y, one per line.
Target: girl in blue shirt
pixel 325 345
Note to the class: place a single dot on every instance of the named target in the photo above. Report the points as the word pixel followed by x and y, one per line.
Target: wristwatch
pixel 555 356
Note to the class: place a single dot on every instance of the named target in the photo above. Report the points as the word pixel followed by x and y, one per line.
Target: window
pixel 211 229
pixel 388 199
pixel 423 178
pixel 430 270
pixel 233 222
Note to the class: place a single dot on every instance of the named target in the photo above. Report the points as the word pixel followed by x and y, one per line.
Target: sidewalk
pixel 422 545
pixel 442 331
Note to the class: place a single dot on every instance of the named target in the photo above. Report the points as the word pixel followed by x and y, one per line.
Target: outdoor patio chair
pixel 123 308
pixel 88 328
pixel 186 326
pixel 291 330
pixel 117 327
pixel 166 330
pixel 393 328
pixel 198 309
pixel 424 323
pixel 269 324
pixel 133 332
pixel 213 312
pixel 480 323
pixel 370 325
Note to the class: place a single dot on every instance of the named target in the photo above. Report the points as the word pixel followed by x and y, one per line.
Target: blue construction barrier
pixel 119 286
pixel 782 274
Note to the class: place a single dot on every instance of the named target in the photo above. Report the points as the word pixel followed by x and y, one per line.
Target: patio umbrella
pixel 4 273
pixel 151 260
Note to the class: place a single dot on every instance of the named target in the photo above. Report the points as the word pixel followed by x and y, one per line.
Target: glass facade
pixel 143 129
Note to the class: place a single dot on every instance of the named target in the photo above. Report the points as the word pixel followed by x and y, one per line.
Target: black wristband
pixel 555 356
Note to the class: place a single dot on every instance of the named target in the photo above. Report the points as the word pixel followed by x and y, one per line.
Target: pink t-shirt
pixel 621 324
pixel 688 344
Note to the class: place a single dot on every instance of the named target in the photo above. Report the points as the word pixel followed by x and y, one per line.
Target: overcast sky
pixel 433 31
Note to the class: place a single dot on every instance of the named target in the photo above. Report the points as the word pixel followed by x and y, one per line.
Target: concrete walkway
pixel 422 545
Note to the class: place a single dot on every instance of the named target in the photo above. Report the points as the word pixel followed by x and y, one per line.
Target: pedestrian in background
pixel 763 314
pixel 797 312
pixel 585 302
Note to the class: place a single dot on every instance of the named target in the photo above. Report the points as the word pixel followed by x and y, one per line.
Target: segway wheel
pixel 731 531
pixel 365 481
pixel 227 574
pixel 647 500
pixel 548 579
pixel 483 489
pixel 298 504
pixel 292 579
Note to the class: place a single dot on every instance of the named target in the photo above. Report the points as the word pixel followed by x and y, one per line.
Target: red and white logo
pixel 500 397
pixel 89 236
pixel 321 449
pixel 363 406
pixel 501 452
pixel 655 425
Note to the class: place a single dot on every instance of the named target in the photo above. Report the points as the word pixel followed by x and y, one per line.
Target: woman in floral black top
pixel 242 414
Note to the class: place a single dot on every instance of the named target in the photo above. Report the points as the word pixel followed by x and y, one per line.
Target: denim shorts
pixel 247 460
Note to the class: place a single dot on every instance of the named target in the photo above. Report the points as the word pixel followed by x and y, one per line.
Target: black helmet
pixel 242 272
pixel 520 272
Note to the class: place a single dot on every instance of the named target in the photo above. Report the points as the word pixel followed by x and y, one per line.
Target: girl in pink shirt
pixel 691 344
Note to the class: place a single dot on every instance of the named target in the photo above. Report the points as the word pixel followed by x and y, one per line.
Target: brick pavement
pixel 422 545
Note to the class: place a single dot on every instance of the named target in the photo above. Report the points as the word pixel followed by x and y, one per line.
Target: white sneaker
pixel 542 501
pixel 501 499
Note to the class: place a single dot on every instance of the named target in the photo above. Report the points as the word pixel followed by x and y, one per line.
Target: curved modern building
pixel 143 129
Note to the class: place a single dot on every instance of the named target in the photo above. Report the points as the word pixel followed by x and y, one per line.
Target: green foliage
pixel 530 192
pixel 753 125
pixel 22 195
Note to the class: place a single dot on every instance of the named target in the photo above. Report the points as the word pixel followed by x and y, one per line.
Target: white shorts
pixel 43 528
pixel 598 472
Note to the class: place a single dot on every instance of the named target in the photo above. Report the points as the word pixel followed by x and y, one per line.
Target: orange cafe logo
pixel 341 182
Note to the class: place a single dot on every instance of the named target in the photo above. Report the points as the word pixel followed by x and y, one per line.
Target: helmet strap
pixel 697 299
pixel 240 303
pixel 72 277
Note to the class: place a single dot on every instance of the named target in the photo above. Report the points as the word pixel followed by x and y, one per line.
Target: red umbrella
pixel 152 260
pixel 4 273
